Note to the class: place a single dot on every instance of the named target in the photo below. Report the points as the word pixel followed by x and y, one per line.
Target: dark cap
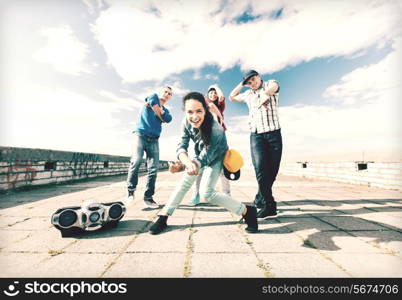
pixel 248 75
pixel 231 175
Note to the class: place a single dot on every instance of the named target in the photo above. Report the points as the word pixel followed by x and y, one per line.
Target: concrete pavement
pixel 325 229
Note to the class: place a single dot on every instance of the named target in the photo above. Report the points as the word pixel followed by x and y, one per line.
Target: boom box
pixel 74 220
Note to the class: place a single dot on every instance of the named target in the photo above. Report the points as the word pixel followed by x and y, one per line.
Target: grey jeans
pixel 207 191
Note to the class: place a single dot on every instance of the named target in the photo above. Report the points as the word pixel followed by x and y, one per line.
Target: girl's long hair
pixel 206 126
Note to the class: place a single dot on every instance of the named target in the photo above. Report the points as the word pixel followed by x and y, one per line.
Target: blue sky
pixel 74 73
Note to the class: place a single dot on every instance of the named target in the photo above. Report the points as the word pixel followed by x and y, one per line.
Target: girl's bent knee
pixel 207 195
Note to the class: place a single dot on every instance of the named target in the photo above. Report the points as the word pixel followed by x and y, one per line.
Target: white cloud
pixel 156 40
pixel 324 133
pixel 197 75
pixel 63 51
pixel 211 76
pixel 241 142
pixel 178 89
pixel 367 124
pixel 93 5
pixel 370 83
pixel 61 120
pixel 167 146
pixel 149 41
pixel 121 103
pixel 136 100
pixel 319 133
pixel 238 123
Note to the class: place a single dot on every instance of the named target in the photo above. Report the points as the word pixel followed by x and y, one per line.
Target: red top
pixel 220 105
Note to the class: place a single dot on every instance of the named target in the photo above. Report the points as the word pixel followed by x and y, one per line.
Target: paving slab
pixel 390 242
pixel 101 242
pixel 227 265
pixel 279 243
pixel 311 264
pixel 73 265
pixel 386 221
pixel 148 265
pixel 350 223
pixel 44 241
pixel 9 237
pixel 222 240
pixel 8 221
pixel 171 241
pixel 305 223
pixel 21 264
pixel 369 264
pixel 134 224
pixel 273 226
pixel 324 229
pixel 33 223
pixel 216 223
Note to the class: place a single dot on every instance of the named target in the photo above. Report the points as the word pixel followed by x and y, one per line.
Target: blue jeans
pixel 266 153
pixel 150 146
pixel 207 191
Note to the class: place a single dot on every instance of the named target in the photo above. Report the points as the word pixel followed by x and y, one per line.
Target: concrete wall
pixel 383 175
pixel 22 167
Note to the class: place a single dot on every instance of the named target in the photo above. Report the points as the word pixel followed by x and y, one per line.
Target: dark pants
pixel 266 153
pixel 151 148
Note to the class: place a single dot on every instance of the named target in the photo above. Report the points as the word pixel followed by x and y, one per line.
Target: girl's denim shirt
pixel 204 155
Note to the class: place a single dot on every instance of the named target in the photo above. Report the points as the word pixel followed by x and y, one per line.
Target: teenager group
pixel 204 125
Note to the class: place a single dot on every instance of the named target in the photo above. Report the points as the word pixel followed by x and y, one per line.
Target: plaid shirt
pixel 262 118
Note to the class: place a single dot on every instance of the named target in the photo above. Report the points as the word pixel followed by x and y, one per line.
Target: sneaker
pixel 159 225
pixel 267 213
pixel 251 219
pixel 130 199
pixel 150 203
pixel 195 200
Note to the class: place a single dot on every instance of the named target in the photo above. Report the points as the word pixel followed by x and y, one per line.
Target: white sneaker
pixel 130 199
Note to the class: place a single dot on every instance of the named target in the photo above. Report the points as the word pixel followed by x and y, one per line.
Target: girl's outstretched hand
pixel 192 168
pixel 175 166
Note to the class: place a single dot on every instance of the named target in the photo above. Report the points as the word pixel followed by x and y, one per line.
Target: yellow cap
pixel 233 161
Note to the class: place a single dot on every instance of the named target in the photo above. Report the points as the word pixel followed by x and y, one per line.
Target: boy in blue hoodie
pixel 146 139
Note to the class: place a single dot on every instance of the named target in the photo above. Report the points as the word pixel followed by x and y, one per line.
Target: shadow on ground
pixel 337 223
